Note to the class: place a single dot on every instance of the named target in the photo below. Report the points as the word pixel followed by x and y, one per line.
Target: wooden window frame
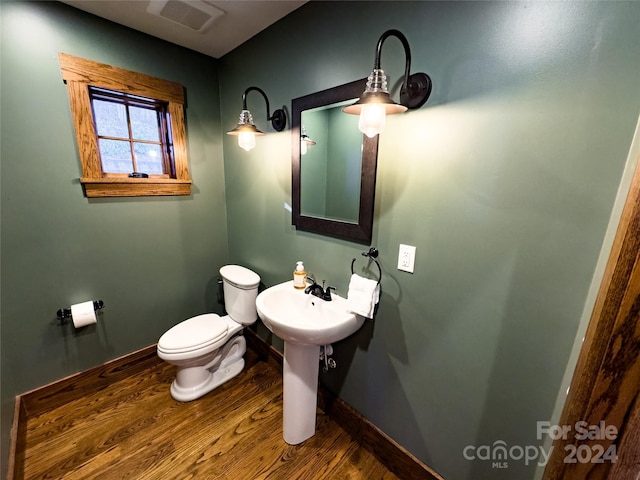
pixel 79 74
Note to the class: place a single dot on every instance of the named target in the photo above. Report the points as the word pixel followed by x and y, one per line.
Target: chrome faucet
pixel 318 291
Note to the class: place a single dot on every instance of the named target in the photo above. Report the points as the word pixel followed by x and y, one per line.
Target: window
pixel 129 128
pixel 133 133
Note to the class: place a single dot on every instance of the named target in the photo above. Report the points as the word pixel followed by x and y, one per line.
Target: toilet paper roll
pixel 83 314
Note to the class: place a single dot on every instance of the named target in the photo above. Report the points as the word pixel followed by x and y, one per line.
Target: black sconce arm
pixel 278 119
pixel 407 52
pixel 415 88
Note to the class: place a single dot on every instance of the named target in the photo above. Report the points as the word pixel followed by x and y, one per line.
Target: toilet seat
pixel 196 333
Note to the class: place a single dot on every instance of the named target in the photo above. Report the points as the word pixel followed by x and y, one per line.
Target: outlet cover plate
pixel 406 258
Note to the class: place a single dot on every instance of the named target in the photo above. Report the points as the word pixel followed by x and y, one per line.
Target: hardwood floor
pixel 133 429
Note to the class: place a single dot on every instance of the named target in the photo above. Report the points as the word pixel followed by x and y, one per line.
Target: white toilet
pixel 208 349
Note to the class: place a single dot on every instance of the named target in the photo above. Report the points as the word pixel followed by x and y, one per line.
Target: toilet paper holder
pixel 65 313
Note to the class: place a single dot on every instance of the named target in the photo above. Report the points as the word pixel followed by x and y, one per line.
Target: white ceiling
pixel 238 22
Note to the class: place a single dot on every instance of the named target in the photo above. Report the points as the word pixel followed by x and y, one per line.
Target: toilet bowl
pixel 208 349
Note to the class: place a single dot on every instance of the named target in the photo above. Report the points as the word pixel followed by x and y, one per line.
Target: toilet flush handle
pixel 220 291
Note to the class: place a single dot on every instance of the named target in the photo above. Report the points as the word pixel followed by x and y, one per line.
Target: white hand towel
pixel 363 295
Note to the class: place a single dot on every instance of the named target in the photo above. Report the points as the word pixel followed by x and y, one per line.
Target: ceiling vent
pixel 193 14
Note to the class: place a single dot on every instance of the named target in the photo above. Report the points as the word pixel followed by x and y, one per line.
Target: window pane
pixel 111 119
pixel 148 158
pixel 144 124
pixel 115 156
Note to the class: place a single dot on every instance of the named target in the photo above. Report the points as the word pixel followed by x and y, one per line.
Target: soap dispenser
pixel 299 276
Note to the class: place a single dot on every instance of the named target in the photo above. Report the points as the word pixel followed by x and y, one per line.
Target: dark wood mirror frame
pixel 360 232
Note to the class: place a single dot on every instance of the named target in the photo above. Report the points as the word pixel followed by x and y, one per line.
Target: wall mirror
pixel 333 179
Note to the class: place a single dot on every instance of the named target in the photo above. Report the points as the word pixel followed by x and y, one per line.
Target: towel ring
pixel 372 254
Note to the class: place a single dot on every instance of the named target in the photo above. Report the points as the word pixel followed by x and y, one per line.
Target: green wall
pixel 504 181
pixel 153 261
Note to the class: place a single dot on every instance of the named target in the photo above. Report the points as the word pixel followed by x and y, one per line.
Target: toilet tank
pixel 240 287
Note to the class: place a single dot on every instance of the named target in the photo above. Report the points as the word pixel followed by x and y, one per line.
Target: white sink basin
pixel 305 323
pixel 301 318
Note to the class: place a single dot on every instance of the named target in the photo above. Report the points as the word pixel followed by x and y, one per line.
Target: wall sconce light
pixel 305 142
pixel 376 103
pixel 246 131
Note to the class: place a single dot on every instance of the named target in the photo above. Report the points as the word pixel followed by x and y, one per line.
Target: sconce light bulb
pixel 246 140
pixel 373 119
pixel 303 147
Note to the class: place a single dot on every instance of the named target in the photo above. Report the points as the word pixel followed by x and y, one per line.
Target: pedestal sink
pixel 305 323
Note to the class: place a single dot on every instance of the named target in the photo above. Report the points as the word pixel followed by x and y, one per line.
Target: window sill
pixel 134 187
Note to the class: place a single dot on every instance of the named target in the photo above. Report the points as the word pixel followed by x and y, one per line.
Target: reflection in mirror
pixel 330 172
pixel 333 182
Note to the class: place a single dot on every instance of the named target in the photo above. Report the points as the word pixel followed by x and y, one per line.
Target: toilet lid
pixel 240 276
pixel 194 333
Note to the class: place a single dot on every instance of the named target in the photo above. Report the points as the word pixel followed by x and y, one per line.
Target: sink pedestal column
pixel 300 391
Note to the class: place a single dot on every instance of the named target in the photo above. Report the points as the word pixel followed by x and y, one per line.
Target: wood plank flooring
pixel 133 429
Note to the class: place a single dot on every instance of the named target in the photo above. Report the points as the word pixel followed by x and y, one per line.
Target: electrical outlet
pixel 406 258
